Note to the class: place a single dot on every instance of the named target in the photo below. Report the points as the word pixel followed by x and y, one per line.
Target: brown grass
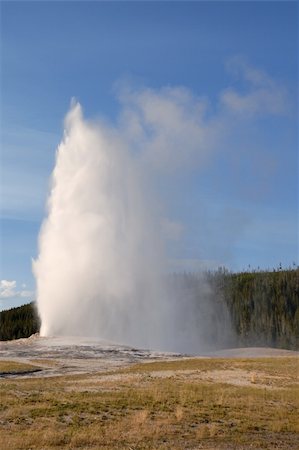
pixel 49 362
pixel 11 367
pixel 144 411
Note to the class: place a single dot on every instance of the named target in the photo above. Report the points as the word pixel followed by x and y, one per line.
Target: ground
pixel 81 394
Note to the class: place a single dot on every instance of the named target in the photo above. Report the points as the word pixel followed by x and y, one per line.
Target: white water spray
pixel 101 268
pixel 99 264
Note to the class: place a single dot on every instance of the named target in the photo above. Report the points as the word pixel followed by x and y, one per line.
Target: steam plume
pixel 101 259
pixel 98 266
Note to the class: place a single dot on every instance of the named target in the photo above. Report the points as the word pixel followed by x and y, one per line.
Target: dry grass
pixel 49 362
pixel 282 366
pixel 135 409
pixel 13 367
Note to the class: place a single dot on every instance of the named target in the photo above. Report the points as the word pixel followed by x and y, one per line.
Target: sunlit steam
pixel 101 265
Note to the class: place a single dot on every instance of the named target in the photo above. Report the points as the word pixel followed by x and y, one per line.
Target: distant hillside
pixel 18 322
pixel 263 307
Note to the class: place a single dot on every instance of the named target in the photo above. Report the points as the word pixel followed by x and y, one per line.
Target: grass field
pixel 182 404
pixel 13 367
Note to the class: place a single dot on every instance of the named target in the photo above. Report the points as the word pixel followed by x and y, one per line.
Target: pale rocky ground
pixel 77 355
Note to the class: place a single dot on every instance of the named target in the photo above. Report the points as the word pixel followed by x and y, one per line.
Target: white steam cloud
pixel 101 269
pixel 100 260
pixel 101 265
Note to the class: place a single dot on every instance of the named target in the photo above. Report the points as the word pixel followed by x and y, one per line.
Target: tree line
pixel 262 307
pixel 21 322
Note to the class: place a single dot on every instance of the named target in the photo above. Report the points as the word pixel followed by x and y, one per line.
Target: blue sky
pixel 241 58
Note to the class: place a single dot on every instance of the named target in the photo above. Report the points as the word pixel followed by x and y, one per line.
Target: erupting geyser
pixel 98 269
pixel 101 268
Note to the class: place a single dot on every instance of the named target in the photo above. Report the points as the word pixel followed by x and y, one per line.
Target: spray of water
pixel 99 257
pixel 100 266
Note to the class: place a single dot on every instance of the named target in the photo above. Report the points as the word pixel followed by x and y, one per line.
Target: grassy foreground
pixel 184 404
pixel 14 368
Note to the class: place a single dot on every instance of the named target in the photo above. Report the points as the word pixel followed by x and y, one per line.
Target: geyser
pixel 98 269
pixel 101 267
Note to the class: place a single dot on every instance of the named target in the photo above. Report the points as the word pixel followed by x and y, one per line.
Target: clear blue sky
pixel 241 207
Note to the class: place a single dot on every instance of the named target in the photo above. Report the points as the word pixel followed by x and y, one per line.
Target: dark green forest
pixel 18 322
pixel 262 307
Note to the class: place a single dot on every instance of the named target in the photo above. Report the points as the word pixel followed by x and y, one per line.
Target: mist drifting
pixel 101 265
